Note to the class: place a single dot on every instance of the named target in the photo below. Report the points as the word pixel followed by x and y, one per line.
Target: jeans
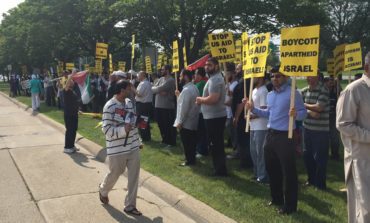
pixel 35 101
pixel 257 140
pixel 315 156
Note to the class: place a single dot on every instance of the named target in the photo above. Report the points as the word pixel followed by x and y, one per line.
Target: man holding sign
pixel 279 149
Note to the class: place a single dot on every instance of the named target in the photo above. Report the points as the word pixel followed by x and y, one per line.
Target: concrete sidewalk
pixel 39 183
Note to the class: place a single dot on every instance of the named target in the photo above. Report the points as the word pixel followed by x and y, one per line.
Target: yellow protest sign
pixel 175 57
pixel 238 51
pixel 159 61
pixel 245 45
pixel 185 57
pixel 122 65
pixel 165 59
pixel 299 50
pixel 101 50
pixel 70 66
pixel 148 65
pixel 133 47
pixel 222 46
pixel 352 56
pixel 339 59
pixel 257 55
pixel 98 66
pixel 330 66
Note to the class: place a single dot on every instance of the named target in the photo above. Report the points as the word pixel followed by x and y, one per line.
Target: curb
pixel 183 202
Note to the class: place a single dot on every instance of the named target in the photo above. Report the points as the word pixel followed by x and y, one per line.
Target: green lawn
pixel 236 196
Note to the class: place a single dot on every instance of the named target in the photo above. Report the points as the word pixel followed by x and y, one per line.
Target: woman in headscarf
pixel 35 86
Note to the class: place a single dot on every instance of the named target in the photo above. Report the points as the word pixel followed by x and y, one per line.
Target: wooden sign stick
pixel 177 84
pixel 250 100
pixel 292 103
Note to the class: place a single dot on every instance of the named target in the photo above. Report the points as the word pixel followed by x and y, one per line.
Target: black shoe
pixel 286 210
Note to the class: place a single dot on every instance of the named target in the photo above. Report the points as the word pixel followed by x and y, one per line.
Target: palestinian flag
pixel 83 80
pixel 199 63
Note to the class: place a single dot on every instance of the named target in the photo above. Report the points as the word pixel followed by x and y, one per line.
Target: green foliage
pixel 39 32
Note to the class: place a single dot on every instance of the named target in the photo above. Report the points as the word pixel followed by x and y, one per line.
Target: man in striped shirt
pixel 122 141
pixel 316 132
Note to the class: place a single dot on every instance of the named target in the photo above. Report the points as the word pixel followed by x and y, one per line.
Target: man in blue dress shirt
pixel 279 149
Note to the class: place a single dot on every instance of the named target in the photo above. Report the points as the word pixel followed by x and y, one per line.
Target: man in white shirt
pixel 143 98
pixel 187 116
pixel 258 127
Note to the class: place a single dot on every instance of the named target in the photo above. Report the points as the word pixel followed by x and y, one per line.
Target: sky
pixel 5 5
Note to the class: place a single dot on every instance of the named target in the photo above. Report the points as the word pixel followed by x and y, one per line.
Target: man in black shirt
pixel 239 123
pixel 71 104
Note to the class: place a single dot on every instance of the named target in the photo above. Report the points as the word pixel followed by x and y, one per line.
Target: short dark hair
pixel 121 84
pixel 187 73
pixel 213 60
pixel 230 67
pixel 275 69
pixel 201 71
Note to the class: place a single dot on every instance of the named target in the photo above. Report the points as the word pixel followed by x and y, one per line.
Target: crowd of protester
pixel 205 107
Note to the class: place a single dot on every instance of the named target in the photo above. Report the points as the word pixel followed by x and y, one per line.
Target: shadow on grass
pixel 238 179
pixel 119 216
pixel 304 217
pixel 320 205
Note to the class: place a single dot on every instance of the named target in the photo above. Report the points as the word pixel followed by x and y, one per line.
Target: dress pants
pixel 71 123
pixel 144 109
pixel 165 119
pixel 280 163
pixel 188 141
pixel 215 131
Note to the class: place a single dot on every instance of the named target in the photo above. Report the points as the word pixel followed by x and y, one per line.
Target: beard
pixel 182 83
pixel 211 72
